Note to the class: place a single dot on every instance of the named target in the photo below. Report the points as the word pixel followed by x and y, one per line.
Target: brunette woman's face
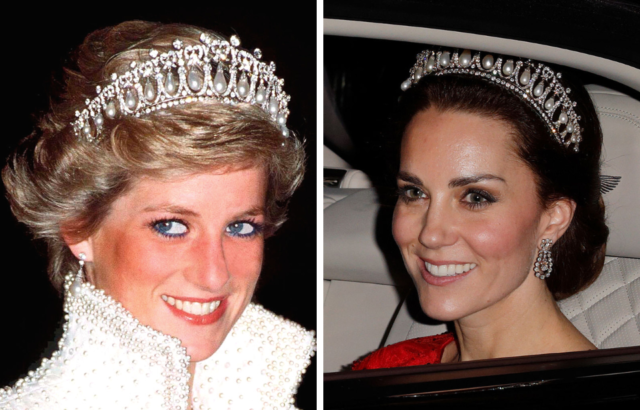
pixel 183 255
pixel 468 219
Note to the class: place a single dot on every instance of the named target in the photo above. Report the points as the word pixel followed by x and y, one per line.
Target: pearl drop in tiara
pixel 534 83
pixel 215 69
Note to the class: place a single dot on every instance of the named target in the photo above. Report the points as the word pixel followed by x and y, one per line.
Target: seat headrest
pixel 358 245
pixel 619 117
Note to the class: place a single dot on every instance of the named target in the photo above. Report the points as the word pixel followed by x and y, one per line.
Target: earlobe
pixel 85 247
pixel 560 215
pixel 76 243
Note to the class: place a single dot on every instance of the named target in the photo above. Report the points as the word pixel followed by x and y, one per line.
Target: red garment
pixel 412 352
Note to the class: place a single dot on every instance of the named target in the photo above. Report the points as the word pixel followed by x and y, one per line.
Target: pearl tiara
pixel 184 75
pixel 533 82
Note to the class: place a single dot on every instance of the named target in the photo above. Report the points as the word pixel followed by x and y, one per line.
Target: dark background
pixel 37 44
pixel 364 75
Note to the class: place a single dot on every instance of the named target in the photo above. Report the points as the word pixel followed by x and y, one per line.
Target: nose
pixel 209 268
pixel 438 225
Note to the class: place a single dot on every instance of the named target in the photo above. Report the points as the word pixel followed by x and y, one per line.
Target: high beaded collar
pixel 108 360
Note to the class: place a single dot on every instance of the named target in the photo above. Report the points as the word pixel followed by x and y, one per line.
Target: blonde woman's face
pixel 468 218
pixel 183 255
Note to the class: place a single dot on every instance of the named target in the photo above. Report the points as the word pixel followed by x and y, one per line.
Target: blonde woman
pixel 155 181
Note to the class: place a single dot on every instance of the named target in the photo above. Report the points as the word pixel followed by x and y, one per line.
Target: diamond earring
pixel 77 283
pixel 544 262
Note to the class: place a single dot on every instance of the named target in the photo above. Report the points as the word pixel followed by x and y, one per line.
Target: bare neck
pixel 526 322
pixel 192 371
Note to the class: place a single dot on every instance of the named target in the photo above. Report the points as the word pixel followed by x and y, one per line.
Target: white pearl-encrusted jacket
pixel 107 360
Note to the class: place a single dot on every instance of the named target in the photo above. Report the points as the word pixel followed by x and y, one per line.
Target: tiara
pixel 534 83
pixel 183 75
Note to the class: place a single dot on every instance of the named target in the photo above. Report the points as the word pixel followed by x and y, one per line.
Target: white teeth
pixel 449 270
pixel 196 308
pixel 193 308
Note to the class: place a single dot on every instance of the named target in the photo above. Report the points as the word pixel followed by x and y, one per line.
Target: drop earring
pixel 544 262
pixel 77 283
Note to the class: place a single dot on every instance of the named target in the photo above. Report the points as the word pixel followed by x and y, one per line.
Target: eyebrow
pixel 255 211
pixel 454 183
pixel 409 177
pixel 462 181
pixel 172 209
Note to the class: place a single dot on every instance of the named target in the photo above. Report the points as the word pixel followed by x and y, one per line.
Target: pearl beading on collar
pixel 266 370
pixel 104 349
pixel 535 83
pixel 96 331
pixel 151 85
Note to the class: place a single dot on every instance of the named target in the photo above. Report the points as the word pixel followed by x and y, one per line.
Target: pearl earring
pixel 77 283
pixel 544 263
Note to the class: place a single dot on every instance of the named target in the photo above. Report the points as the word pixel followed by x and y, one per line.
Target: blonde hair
pixel 61 186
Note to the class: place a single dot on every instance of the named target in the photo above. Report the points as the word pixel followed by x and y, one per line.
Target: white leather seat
pixel 364 280
pixel 607 311
pixel 364 277
pixel 352 178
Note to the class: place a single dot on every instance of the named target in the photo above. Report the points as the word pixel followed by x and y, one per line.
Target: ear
pixel 556 219
pixel 77 245
pixel 85 247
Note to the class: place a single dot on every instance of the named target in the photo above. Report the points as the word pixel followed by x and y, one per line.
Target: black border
pixel 38 42
pixel 604 28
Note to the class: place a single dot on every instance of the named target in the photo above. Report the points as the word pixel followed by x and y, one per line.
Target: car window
pixel 364 91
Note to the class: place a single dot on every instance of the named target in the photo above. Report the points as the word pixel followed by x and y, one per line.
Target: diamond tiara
pixel 184 75
pixel 533 82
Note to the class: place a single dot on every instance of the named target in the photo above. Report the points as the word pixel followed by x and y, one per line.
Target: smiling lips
pixel 196 312
pixel 448 270
pixel 445 274
pixel 193 308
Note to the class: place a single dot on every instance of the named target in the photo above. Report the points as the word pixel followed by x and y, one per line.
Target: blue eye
pixel 170 228
pixel 243 229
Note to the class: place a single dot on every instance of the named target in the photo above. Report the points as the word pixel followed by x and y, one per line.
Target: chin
pixel 202 343
pixel 200 353
pixel 442 310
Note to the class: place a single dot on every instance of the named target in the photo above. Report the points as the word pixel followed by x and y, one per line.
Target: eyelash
pixel 404 194
pixel 154 225
pixel 488 198
pixel 258 228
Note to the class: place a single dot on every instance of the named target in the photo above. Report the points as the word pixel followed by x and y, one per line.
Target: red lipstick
pixel 199 319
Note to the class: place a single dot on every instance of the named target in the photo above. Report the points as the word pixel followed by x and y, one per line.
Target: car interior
pixel 369 301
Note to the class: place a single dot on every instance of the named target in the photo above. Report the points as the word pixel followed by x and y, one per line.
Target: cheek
pixel 507 237
pixel 244 258
pixel 131 262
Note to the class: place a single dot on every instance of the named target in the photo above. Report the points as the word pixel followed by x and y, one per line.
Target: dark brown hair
pixel 61 186
pixel 560 172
